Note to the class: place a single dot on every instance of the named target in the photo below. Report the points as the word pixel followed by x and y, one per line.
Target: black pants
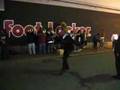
pixel 4 52
pixel 65 65
pixel 95 44
pixel 113 44
pixel 117 64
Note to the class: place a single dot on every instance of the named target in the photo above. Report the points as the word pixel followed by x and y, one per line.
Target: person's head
pixel 63 24
pixel 69 31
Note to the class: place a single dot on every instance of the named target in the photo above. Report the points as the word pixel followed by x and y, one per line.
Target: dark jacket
pixel 3 38
pixel 68 43
pixel 117 46
pixel 31 37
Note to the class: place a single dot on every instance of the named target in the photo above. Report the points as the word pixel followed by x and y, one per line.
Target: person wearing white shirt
pixel 114 38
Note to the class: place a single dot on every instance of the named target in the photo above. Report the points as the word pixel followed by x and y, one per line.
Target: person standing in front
pixel 68 47
pixel 67 44
pixel 117 57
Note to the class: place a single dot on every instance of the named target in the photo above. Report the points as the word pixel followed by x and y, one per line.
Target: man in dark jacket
pixel 68 46
pixel 3 45
pixel 117 57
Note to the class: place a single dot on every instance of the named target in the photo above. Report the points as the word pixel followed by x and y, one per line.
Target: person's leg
pixel 29 49
pixel 40 48
pixel 5 52
pixel 33 48
pixel 44 48
pixel 65 60
pixel 117 63
pixel 37 48
pixel 86 42
pixel 95 44
pixel 113 44
pixel 2 53
pixel 65 65
pixel 48 49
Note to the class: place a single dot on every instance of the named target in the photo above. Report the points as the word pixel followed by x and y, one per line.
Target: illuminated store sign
pixel 18 30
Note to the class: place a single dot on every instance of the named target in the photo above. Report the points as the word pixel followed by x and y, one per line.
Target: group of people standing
pixel 40 41
pixel 46 41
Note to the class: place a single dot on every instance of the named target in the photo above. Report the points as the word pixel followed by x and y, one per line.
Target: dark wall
pixel 28 13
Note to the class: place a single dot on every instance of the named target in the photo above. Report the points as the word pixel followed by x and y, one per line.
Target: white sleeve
pixel 64 36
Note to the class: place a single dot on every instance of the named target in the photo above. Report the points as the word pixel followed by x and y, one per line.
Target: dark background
pixel 28 13
pixel 1 5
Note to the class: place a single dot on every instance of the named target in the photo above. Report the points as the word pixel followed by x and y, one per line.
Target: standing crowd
pixel 47 41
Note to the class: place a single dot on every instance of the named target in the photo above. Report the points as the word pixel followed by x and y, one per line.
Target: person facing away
pixel 117 57
pixel 68 47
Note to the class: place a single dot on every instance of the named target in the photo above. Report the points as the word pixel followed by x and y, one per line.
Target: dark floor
pixel 90 70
